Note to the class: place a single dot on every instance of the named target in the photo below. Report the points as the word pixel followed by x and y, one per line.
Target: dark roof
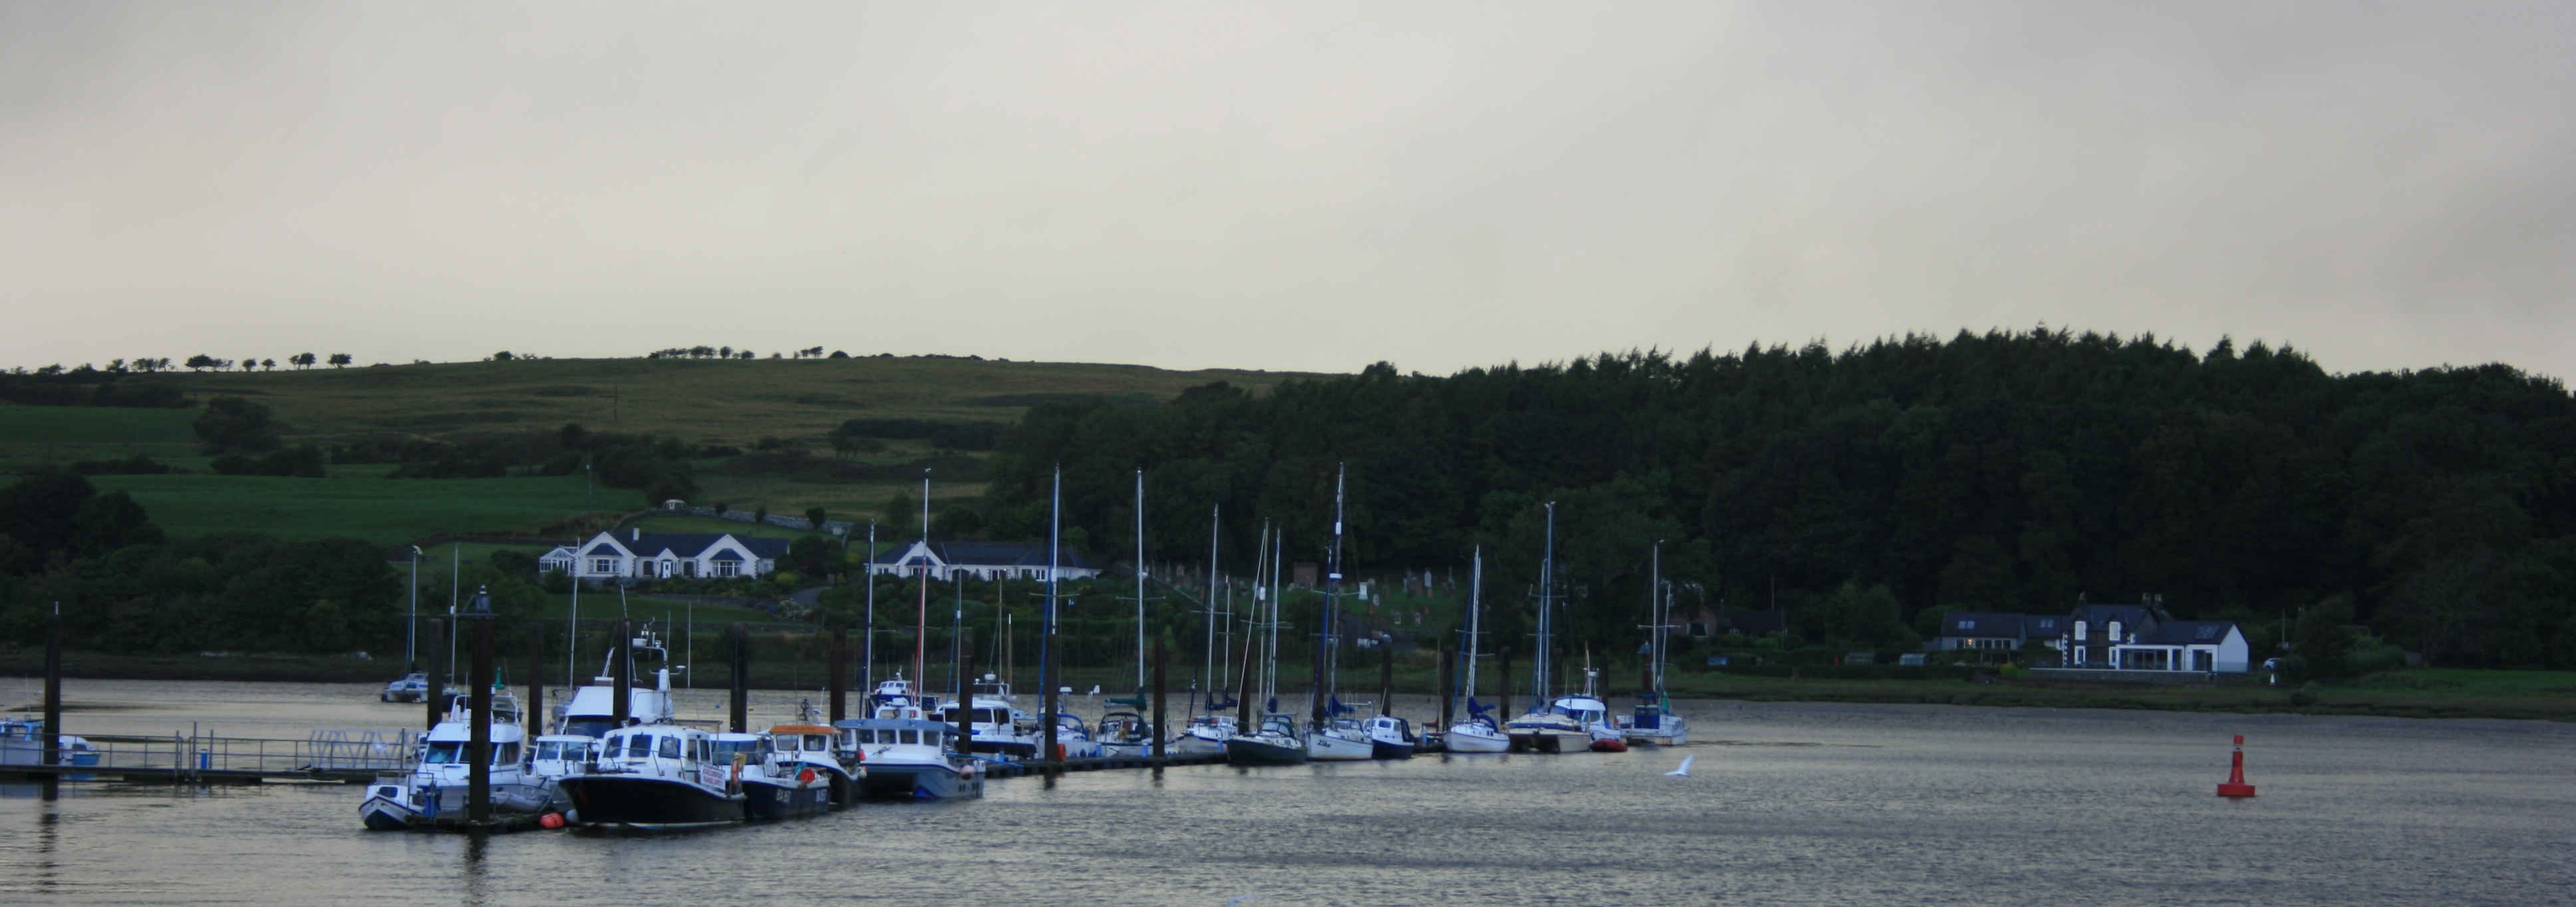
pixel 990 554
pixel 2190 632
pixel 692 544
pixel 2096 617
pixel 2043 626
pixel 1985 624
pixel 1751 623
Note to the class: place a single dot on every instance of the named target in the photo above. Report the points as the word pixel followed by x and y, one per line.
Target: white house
pixel 661 555
pixel 982 560
pixel 2184 645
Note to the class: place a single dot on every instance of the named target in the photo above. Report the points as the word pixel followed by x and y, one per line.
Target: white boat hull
pixel 1325 747
pixel 1477 738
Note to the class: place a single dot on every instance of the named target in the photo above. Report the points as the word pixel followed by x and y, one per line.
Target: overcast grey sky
pixel 1294 185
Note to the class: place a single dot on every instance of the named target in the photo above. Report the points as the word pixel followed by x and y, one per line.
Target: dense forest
pixel 1859 490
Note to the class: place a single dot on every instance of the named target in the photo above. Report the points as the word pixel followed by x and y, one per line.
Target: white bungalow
pixel 981 560
pixel 662 555
pixel 2184 645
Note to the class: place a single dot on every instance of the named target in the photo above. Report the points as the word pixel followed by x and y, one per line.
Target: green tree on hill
pixel 235 425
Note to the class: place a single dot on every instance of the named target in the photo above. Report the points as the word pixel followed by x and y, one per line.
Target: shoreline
pixel 2545 704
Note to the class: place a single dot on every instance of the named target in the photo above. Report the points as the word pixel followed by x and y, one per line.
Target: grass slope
pixel 736 402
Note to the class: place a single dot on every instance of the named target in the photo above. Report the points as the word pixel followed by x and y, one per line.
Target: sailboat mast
pixel 1207 670
pixel 1475 613
pixel 868 650
pixel 1140 581
pixel 921 621
pixel 1332 597
pixel 1546 589
pixel 1655 609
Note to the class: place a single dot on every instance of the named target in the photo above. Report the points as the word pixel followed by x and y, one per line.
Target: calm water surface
pixel 1785 803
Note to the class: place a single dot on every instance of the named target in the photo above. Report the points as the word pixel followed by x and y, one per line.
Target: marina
pixel 1783 802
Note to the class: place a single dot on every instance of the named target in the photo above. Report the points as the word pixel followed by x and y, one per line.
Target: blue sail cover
pixel 1333 706
pixel 1272 705
pixel 1220 703
pixel 1478 710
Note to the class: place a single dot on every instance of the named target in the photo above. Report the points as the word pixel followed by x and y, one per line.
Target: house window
pixel 728 568
pixel 1967 625
pixel 603 565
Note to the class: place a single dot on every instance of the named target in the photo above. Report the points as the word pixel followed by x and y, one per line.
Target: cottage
pixel 982 560
pixel 2140 637
pixel 663 555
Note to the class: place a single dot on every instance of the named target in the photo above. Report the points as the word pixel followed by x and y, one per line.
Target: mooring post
pixel 1385 678
pixel 740 703
pixel 535 716
pixel 840 672
pixel 623 684
pixel 1046 675
pixel 478 774
pixel 1156 728
pixel 433 695
pixel 51 739
pixel 1503 687
pixel 1448 680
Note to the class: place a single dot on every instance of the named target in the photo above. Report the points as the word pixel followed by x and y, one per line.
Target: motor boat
pixel 657 777
pixel 909 756
pixel 1389 737
pixel 1125 735
pixel 771 789
pixel 440 780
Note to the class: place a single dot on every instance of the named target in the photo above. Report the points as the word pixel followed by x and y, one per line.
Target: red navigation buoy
pixel 550 820
pixel 2235 785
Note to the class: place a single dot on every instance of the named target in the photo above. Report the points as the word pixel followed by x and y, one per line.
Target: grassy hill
pixel 711 402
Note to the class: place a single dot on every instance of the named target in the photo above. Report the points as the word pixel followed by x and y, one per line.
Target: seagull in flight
pixel 1684 771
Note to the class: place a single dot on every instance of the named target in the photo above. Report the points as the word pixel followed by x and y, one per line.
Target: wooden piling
pixel 738 710
pixel 1448 679
pixel 51 739
pixel 1503 687
pixel 478 772
pixel 622 686
pixel 434 696
pixel 840 673
pixel 1385 678
pixel 535 717
pixel 1243 703
pixel 1156 729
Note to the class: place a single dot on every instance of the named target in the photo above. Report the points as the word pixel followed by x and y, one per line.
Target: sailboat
pixel 1275 741
pixel 1131 735
pixel 1478 733
pixel 1652 722
pixel 1544 729
pixel 1335 735
pixel 1209 725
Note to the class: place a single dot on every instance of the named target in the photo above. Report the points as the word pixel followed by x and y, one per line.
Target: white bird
pixel 1682 772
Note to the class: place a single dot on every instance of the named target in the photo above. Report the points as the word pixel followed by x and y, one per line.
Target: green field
pixel 354 503
pixel 730 402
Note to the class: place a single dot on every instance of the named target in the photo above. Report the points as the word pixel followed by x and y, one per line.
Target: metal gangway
pixel 346 756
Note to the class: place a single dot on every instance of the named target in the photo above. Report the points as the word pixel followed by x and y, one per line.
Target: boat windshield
pixel 588 725
pixel 444 753
pixel 564 750
pixel 726 749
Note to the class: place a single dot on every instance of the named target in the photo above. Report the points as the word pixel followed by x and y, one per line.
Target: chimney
pixel 635 533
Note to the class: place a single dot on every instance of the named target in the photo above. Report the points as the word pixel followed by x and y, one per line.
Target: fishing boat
pixel 1478 732
pixel 908 756
pixel 554 757
pixel 440 780
pixel 802 746
pixel 657 777
pixel 1543 729
pixel 592 711
pixel 771 787
pixel 22 742
pixel 1651 721
pixel 994 723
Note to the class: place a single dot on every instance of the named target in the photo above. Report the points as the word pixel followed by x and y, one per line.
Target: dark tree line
pixel 2008 471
